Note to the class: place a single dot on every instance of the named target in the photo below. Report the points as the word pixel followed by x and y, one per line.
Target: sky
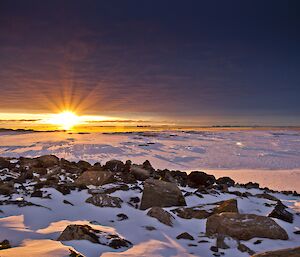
pixel 201 62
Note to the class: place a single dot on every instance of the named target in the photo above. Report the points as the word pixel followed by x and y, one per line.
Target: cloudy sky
pixel 210 62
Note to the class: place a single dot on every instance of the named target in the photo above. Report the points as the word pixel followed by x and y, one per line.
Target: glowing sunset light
pixel 66 120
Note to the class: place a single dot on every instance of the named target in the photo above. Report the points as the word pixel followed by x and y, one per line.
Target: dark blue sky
pixel 207 61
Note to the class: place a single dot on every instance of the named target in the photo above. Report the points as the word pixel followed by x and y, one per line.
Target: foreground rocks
pixel 95 177
pixel 104 200
pixel 244 226
pixel 281 213
pixel 289 252
pixel 86 232
pixel 4 245
pixel 161 194
pixel 161 215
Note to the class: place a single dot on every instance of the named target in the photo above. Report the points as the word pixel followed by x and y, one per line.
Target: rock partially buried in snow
pixel 227 206
pixel 86 232
pixel 289 252
pixel 161 194
pixel 114 166
pixel 244 226
pixel 281 213
pixel 4 245
pixel 161 215
pixel 103 200
pixel 199 178
pixel 191 213
pixel 186 236
pixel 95 177
pixel 225 181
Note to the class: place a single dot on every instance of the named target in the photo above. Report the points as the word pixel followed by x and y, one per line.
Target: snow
pixel 268 157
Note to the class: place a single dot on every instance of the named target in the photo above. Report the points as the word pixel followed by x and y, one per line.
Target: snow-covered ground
pixel 245 155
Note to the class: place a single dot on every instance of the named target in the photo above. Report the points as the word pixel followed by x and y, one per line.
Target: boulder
pixel 83 165
pixel 79 232
pixel 186 236
pixel 95 177
pixel 289 252
pixel 267 196
pixel 47 161
pixel 103 200
pixel 191 213
pixel 161 194
pixel 199 178
pixel 86 232
pixel 280 212
pixel 244 226
pixel 4 244
pixel 6 189
pixel 139 173
pixel 114 166
pixel 4 163
pixel 225 181
pixel 161 215
pixel 227 206
pixel 147 166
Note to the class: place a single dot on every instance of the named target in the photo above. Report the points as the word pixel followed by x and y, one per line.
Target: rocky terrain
pixel 54 207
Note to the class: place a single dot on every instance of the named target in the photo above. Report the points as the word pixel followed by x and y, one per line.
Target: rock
pixel 4 244
pixel 6 189
pixel 37 193
pixel 122 216
pixel 244 226
pixel 161 194
pixel 86 232
pixel 147 166
pixel 83 165
pixel 225 181
pixel 220 243
pixel 251 185
pixel 227 206
pixel 95 177
pixel 186 236
pixel 281 213
pixel 103 200
pixel 191 213
pixel 214 249
pixel 150 228
pixel 74 254
pixel 134 202
pixel 297 232
pixel 67 202
pixel 47 161
pixel 257 242
pixel 4 163
pixel 64 189
pixel 199 178
pixel 243 248
pixel 139 173
pixel 114 166
pixel 79 232
pixel 289 252
pixel 267 196
pixel 161 215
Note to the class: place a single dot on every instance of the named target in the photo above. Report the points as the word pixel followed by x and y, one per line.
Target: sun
pixel 66 120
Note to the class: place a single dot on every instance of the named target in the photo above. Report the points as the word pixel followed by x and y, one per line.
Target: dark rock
pixel 114 166
pixel 95 177
pixel 64 189
pixel 103 200
pixel 134 202
pixel 79 232
pixel 191 213
pixel 147 166
pixel 203 241
pixel 243 248
pixel 289 252
pixel 297 232
pixel 220 243
pixel 67 202
pixel 251 185
pixel 161 194
pixel 122 216
pixel 37 193
pixel 227 206
pixel 83 165
pixel 267 196
pixel 214 249
pixel 150 228
pixel 199 178
pixel 225 181
pixel 186 236
pixel 257 242
pixel 6 188
pixel 281 213
pixel 161 215
pixel 4 163
pixel 47 161
pixel 244 226
pixel 4 244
